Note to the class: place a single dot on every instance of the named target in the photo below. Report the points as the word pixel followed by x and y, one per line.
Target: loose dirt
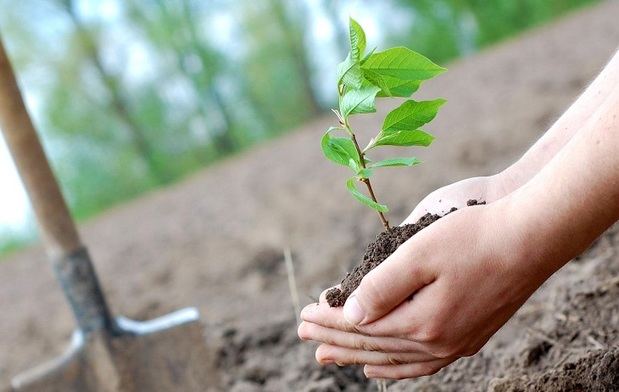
pixel 216 240
pixel 385 244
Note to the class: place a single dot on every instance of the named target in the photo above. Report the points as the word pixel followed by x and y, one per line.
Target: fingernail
pixel 308 309
pixel 352 310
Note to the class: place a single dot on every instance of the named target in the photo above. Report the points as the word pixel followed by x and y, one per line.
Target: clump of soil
pixel 385 244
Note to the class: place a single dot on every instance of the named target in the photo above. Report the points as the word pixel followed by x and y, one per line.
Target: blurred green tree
pixel 289 18
pixel 272 72
pixel 119 104
pixel 171 26
pixel 462 26
pixel 505 17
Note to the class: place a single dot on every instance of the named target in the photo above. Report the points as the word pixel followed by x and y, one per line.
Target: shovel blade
pixel 164 354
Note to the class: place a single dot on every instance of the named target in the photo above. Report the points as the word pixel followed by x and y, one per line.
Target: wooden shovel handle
pixel 57 227
pixel 72 263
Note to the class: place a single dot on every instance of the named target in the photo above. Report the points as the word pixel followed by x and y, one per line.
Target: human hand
pixel 468 273
pixel 487 188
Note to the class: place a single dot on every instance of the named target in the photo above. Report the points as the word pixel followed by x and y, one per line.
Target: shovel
pixel 106 353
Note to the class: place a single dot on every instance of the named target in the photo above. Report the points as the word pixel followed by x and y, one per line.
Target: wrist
pixel 504 183
pixel 545 237
pixel 538 247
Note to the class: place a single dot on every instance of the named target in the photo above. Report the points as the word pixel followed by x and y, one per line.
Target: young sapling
pixel 361 78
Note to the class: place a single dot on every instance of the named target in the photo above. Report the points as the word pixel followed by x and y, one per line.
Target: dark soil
pixel 250 362
pixel 565 339
pixel 385 244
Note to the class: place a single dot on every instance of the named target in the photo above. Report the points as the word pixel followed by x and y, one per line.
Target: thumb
pixel 389 284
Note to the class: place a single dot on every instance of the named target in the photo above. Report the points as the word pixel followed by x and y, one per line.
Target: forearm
pixel 575 197
pixel 563 129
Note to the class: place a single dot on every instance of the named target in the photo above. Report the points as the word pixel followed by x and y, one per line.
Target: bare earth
pixel 216 240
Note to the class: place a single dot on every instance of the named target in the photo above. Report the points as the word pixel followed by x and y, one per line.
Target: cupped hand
pixel 487 189
pixel 439 297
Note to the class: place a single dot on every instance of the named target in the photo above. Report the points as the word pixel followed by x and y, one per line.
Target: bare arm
pixel 492 188
pixel 576 196
pixel 562 131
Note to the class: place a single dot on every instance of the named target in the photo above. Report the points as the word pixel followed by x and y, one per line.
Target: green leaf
pixel 349 73
pixel 390 86
pixel 412 114
pixel 399 88
pixel 377 80
pixel 340 150
pixel 406 138
pixel 357 40
pixel 359 101
pixel 350 184
pixel 367 56
pixel 402 63
pixel 395 162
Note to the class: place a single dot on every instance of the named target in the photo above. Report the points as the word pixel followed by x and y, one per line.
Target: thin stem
pixel 366 181
pixel 346 125
pixel 383 219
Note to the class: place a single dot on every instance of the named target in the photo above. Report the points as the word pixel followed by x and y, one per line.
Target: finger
pixel 334 337
pixel 408 321
pixel 323 295
pixel 346 356
pixel 326 316
pixel 411 370
pixel 416 319
pixel 390 283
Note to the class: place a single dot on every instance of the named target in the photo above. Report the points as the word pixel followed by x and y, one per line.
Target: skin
pixel 469 272
pixel 495 187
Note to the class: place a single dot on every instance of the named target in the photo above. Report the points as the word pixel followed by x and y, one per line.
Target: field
pixel 216 240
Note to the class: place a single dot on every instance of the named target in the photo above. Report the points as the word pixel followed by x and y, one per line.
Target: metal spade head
pixel 164 354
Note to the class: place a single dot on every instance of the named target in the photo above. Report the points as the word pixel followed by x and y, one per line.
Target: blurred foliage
pixel 133 95
pixel 446 29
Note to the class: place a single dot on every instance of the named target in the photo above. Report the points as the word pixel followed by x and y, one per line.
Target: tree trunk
pixel 295 43
pixel 119 103
pixel 223 140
